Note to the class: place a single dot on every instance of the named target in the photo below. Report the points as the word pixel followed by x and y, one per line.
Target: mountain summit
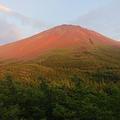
pixel 64 36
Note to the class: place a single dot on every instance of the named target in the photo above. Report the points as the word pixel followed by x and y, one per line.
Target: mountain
pixel 65 73
pixel 64 36
pixel 62 52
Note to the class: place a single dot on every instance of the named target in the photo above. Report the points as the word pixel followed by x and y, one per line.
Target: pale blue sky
pixel 54 11
pixel 24 18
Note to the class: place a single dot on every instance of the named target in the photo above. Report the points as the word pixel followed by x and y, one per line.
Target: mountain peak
pixel 68 26
pixel 60 37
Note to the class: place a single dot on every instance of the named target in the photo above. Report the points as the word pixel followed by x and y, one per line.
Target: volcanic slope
pixel 60 53
pixel 64 36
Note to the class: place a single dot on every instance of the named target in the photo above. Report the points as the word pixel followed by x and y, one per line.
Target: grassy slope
pixel 58 66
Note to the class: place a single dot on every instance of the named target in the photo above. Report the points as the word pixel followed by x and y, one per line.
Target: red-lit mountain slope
pixel 64 36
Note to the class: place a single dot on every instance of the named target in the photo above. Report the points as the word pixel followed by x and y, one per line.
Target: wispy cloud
pixel 8 32
pixel 22 18
pixel 105 19
pixel 15 26
pixel 4 9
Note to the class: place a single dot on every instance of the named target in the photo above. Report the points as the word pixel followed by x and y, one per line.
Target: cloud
pixel 105 20
pixel 8 32
pixel 23 19
pixel 15 26
pixel 4 9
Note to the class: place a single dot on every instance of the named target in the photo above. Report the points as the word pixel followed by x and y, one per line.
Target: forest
pixel 45 101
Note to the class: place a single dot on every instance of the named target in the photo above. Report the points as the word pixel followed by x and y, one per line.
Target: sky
pixel 23 18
